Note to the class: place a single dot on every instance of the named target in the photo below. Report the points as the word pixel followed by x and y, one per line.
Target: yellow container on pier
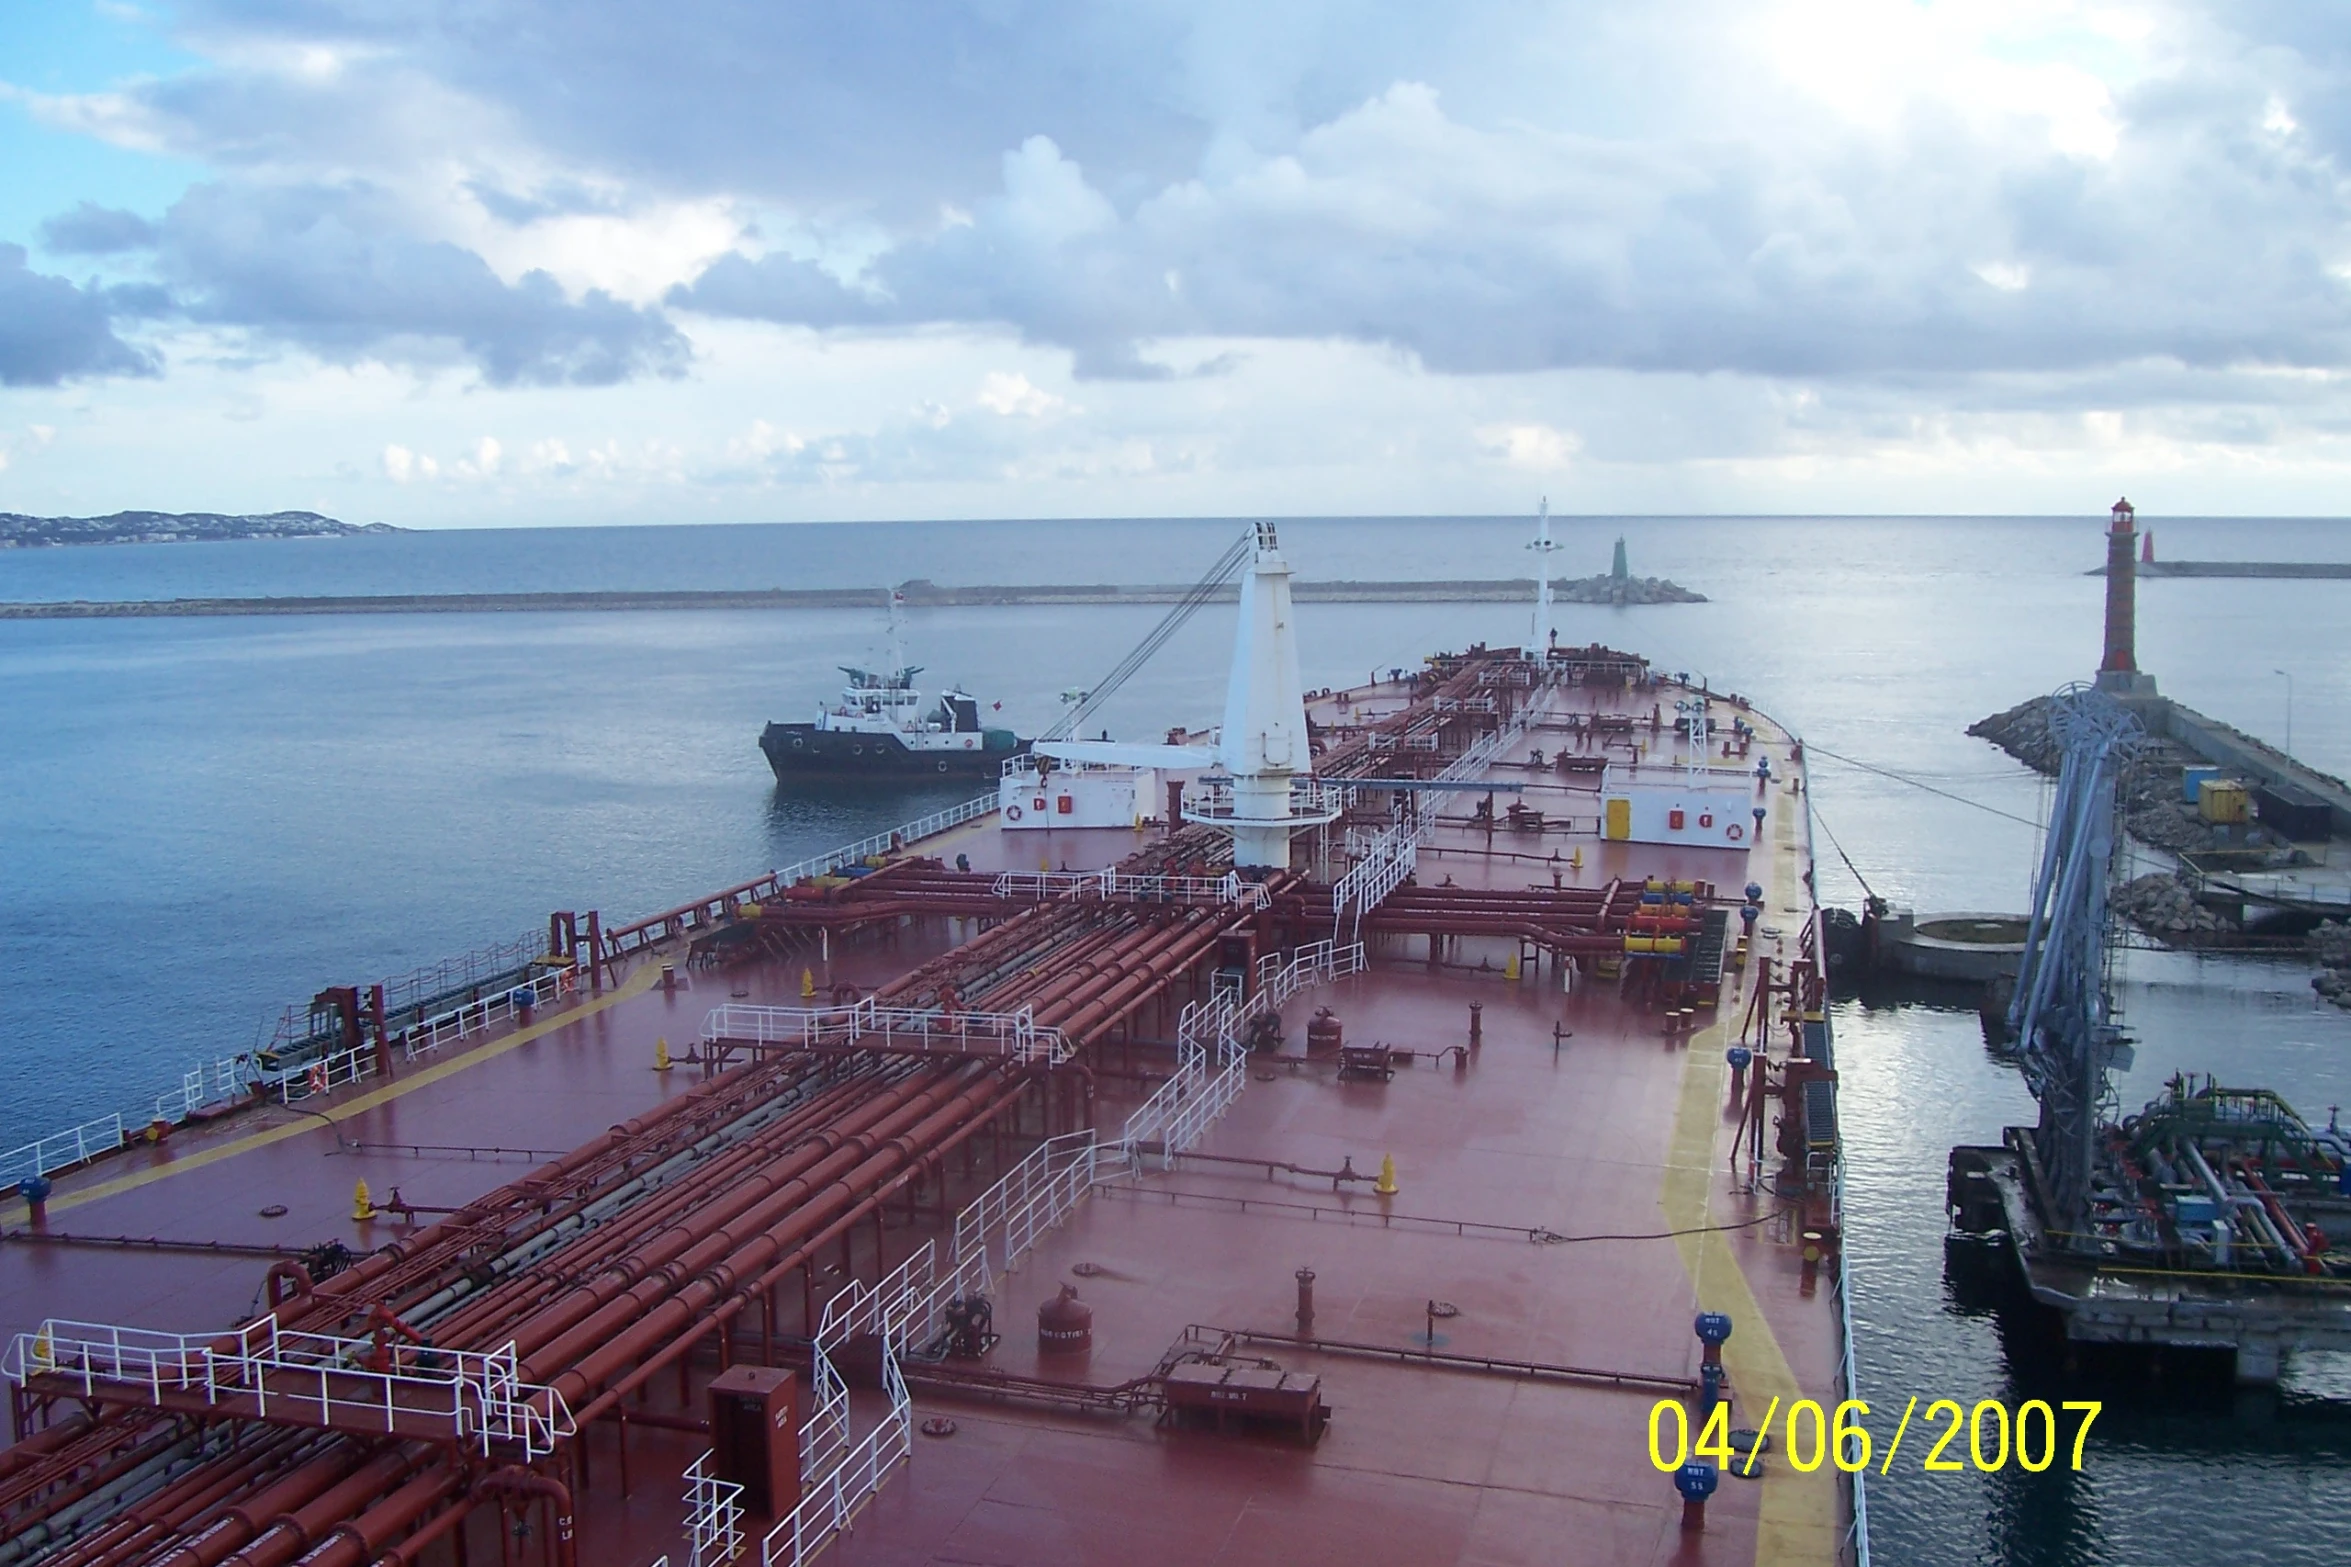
pixel 2223 800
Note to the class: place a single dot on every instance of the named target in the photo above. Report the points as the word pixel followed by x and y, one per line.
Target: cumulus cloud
pixel 330 270
pixel 1516 248
pixel 52 330
pixel 1957 205
pixel 1798 187
pixel 92 230
pixel 401 465
pixel 1015 397
pixel 1535 446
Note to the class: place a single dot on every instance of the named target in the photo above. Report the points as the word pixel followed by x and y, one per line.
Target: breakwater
pixel 918 594
pixel 2235 568
pixel 2153 804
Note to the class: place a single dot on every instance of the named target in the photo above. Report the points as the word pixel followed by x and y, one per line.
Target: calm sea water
pixel 206 820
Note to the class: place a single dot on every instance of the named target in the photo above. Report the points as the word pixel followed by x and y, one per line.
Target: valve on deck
pixel 1696 1482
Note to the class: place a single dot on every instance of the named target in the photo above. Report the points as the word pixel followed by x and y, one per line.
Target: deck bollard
pixel 35 1191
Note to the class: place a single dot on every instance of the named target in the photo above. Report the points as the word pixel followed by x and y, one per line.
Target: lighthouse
pixel 2118 670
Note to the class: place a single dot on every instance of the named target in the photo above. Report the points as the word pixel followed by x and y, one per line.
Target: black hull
pixel 802 751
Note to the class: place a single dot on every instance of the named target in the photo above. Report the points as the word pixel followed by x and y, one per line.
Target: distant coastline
pixel 19 531
pixel 919 593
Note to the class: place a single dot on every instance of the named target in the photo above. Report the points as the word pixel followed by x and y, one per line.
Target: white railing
pixel 477 967
pixel 1010 1036
pixel 714 1515
pixel 1212 1063
pixel 198 1088
pixel 882 842
pixel 1381 866
pixel 1003 1222
pixel 313 1378
pixel 1108 884
pixel 834 1497
pixel 61 1150
pixel 343 1069
pixel 1486 747
pixel 425 1037
pixel 1311 800
pixel 824 1432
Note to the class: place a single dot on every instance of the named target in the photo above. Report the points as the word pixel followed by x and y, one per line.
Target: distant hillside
pixel 162 527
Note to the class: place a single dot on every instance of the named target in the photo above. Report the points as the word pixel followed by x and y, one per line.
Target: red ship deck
pixel 1571 1198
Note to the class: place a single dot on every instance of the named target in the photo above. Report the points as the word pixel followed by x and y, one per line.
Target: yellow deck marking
pixel 636 984
pixel 1799 1517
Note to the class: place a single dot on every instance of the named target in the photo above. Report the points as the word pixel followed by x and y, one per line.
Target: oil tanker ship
pixel 1343 1155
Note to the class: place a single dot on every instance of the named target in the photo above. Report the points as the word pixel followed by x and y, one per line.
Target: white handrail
pixel 1012 1036
pixel 464 1395
pixel 430 1034
pixel 714 1515
pixel 62 1150
pixel 882 842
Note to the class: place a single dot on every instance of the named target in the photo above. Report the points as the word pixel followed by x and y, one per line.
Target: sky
pixel 522 262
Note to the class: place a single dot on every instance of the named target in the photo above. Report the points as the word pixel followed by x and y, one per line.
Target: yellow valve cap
pixel 1386 1185
pixel 807 983
pixel 661 1061
pixel 362 1206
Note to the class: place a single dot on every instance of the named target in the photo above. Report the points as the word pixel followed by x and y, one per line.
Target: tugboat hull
pixel 800 751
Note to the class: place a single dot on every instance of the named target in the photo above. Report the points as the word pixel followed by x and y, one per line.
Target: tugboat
pixel 878 729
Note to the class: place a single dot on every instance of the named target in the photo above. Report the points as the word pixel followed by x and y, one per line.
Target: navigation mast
pixel 1542 546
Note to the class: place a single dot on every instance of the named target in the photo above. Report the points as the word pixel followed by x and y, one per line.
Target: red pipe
pixel 806 1248
pixel 589 1310
pixel 635 1325
pixel 529 1482
pixel 775 1153
pixel 357 1541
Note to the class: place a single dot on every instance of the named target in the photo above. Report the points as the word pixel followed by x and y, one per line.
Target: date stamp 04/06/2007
pixel 1952 1437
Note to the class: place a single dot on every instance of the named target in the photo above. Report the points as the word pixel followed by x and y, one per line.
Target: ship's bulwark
pixel 1521 1113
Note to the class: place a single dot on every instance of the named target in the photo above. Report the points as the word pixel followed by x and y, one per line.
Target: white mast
pixel 1542 548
